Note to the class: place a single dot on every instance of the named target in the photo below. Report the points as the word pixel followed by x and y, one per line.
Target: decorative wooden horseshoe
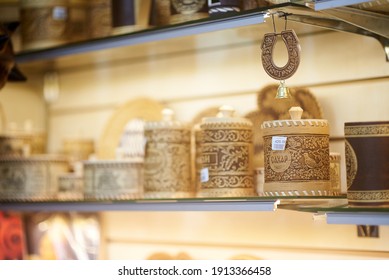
pixel 293 46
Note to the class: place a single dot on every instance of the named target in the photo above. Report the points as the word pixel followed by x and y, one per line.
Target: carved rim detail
pixel 368 196
pixel 367 130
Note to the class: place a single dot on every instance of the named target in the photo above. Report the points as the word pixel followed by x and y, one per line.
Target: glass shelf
pixel 333 209
pixel 176 38
pixel 195 204
pixel 300 203
pixel 207 34
pixel 270 203
pixel 375 217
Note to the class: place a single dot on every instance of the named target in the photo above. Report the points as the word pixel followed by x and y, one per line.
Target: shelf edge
pixel 244 206
pixel 360 218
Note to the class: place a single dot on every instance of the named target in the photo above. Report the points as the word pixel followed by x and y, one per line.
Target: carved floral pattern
pixel 233 182
pixel 168 135
pixel 226 153
pixel 223 135
pixel 378 130
pixel 168 163
pixel 188 7
pixel 309 159
pixel 366 196
pixel 113 180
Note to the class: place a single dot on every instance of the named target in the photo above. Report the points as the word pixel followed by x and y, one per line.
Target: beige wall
pixel 22 102
pixel 348 75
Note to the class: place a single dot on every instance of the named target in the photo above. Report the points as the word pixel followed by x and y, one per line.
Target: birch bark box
pixel 32 178
pixel 113 179
pixel 44 23
pixel 296 156
pixel 168 169
pixel 367 163
pixel 226 152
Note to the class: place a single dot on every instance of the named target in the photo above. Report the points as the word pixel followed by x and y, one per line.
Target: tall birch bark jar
pixel 367 163
pixel 168 165
pixel 227 150
pixel 296 156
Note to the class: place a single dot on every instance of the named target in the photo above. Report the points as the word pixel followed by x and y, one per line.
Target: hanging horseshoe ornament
pixel 292 44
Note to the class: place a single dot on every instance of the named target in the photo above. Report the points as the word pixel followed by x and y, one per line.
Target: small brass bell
pixel 283 91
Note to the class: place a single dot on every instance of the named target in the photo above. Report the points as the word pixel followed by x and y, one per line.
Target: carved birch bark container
pixel 70 187
pixel 223 7
pixel 12 145
pixel 227 151
pixel 182 10
pixel 44 23
pixel 78 20
pixel 100 20
pixel 168 159
pixel 31 179
pixel 22 144
pixel 367 163
pixel 296 156
pixel 113 179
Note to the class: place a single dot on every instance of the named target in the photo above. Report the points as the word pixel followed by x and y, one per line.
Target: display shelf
pixel 217 204
pixel 333 209
pixel 144 36
pixel 182 204
pixel 194 36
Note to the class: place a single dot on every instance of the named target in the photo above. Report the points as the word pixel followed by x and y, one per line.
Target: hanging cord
pixel 274 24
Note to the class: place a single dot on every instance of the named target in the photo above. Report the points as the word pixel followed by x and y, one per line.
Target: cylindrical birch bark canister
pixel 226 151
pixel 223 7
pixel 78 20
pixel 168 169
pixel 44 23
pixel 183 10
pixel 297 155
pixel 100 19
pixel 253 4
pixel 15 145
pixel 367 163
pixel 22 144
pixel 160 12
pixel 113 179
pixel 32 178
